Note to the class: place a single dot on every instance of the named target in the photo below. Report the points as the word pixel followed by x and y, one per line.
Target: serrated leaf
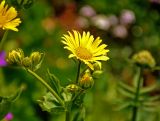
pixel 54 82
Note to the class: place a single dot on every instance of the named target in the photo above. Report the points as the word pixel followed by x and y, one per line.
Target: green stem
pixel 3 39
pixel 78 71
pixel 46 85
pixel 135 108
pixel 67 115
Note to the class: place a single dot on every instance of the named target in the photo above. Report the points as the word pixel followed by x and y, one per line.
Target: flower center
pixel 83 53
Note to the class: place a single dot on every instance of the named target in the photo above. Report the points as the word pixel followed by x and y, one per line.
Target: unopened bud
pixel 144 58
pixel 97 74
pixel 26 62
pixel 36 57
pixel 97 66
pixel 86 81
pixel 72 88
pixel 15 56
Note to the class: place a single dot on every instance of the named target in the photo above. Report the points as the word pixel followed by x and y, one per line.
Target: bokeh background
pixel 126 26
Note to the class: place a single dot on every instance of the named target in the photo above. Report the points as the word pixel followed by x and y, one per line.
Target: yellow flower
pixel 8 18
pixel 85 48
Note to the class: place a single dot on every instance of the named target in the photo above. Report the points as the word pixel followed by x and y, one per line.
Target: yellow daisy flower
pixel 8 18
pixel 85 48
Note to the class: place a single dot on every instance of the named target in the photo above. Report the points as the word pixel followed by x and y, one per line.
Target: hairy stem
pixel 47 86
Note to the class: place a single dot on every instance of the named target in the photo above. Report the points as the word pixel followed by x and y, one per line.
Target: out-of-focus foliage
pixel 126 26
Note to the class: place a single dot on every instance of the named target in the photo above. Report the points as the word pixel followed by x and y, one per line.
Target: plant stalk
pixel 78 71
pixel 135 108
pixel 67 115
pixel 46 85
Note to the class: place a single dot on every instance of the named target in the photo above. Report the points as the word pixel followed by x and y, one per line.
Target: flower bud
pixel 26 62
pixel 97 66
pixel 36 57
pixel 144 58
pixel 15 56
pixel 86 81
pixel 72 88
pixel 97 70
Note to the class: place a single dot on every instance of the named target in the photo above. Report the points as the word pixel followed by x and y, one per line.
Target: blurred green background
pixel 126 26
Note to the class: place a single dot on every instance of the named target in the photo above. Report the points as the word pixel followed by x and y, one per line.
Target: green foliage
pixel 145 101
pixel 6 102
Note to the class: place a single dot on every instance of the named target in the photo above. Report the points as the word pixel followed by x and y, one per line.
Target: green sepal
pixel 6 102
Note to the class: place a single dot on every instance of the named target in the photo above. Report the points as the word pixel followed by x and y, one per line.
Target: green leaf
pixel 126 87
pixel 153 98
pixel 124 105
pixel 147 89
pixel 126 93
pixel 5 103
pixel 50 103
pixel 54 82
pixel 136 78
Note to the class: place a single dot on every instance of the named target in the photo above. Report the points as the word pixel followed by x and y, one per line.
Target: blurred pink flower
pixel 82 22
pixel 87 11
pixel 8 117
pixel 127 17
pixel 155 1
pixel 113 20
pixel 120 31
pixel 2 59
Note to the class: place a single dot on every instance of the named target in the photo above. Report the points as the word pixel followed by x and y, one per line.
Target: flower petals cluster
pixel 85 48
pixel 8 18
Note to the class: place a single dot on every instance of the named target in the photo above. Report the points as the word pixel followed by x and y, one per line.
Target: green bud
pixel 86 81
pixel 15 56
pixel 96 74
pixel 72 88
pixel 144 58
pixel 97 66
pixel 26 62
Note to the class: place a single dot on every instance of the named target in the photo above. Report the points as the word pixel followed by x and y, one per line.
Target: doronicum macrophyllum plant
pixel 58 99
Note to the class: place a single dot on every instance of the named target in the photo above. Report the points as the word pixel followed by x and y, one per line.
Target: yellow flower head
pixel 8 18
pixel 85 48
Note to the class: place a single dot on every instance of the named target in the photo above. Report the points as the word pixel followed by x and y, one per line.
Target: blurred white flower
pixel 127 17
pixel 120 31
pixel 101 22
pixel 87 11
